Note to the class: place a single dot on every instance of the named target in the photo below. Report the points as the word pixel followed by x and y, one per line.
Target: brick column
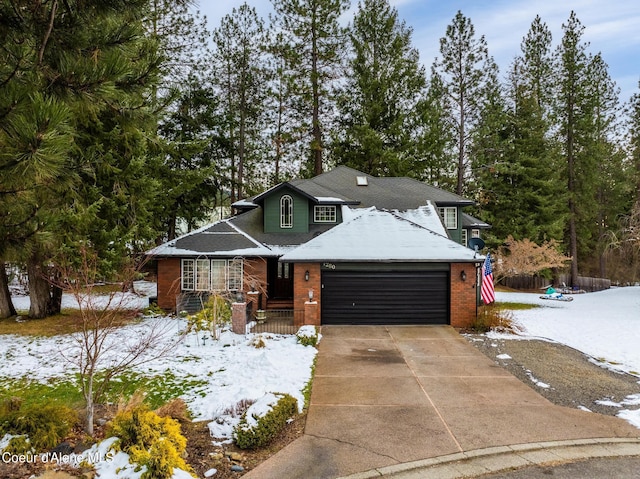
pixel 253 300
pixel 311 313
pixel 463 295
pixel 239 318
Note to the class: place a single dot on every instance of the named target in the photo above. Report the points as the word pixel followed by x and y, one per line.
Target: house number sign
pixel 328 266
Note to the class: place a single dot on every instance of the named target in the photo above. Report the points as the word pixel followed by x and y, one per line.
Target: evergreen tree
pixel 602 164
pixel 314 51
pixel 464 69
pixel 238 75
pixel 75 83
pixel 521 190
pixel 570 108
pixel 190 180
pixel 285 139
pixel 383 85
pixel 434 138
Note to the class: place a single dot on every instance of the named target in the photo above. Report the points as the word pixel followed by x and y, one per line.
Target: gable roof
pixel 220 239
pixel 340 185
pixel 382 236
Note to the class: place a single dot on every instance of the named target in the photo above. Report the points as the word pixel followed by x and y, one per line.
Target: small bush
pixel 264 420
pixel 307 336
pixel 150 440
pixel 258 342
pixel 18 445
pixel 45 425
pixel 494 318
pixel 214 315
pixel 175 409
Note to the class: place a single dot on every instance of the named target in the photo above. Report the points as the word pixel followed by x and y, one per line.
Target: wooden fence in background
pixel 536 283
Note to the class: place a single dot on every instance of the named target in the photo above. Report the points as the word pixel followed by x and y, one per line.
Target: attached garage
pixel 396 296
pixel 386 268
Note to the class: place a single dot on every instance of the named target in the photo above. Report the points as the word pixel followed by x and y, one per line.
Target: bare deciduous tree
pixel 106 346
pixel 524 257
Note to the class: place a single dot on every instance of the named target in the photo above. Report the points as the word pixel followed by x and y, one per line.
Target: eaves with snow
pixel 385 236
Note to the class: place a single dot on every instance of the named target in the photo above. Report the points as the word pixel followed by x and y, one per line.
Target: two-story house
pixel 367 250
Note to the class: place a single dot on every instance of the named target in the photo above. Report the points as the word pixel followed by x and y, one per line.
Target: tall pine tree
pixel 76 79
pixel 238 74
pixel 570 108
pixel 315 41
pixel 464 68
pixel 383 86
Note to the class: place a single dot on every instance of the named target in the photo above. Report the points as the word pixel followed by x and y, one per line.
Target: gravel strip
pixel 562 374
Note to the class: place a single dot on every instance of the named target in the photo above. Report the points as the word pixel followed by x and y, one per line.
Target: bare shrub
pixel 492 317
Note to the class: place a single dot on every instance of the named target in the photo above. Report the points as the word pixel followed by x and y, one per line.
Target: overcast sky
pixel 612 27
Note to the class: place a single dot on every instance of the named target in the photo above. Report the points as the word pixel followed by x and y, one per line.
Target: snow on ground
pixel 229 370
pixel 604 325
pixel 144 290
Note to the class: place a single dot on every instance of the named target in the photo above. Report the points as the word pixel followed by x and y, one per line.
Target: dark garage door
pixel 385 297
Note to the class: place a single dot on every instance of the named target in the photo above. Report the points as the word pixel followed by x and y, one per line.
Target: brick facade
pixel 301 287
pixel 168 282
pixel 463 306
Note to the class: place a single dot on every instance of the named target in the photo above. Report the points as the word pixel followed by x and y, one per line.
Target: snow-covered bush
pixel 307 335
pixel 264 420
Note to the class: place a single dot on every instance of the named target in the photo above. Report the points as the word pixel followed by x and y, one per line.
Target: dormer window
pixel 449 217
pixel 286 212
pixel 324 214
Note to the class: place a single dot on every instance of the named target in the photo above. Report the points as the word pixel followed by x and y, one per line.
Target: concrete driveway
pixel 388 395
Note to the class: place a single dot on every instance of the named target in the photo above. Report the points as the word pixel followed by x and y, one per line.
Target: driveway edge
pixel 501 458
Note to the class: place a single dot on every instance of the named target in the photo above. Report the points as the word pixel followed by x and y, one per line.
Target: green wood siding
pixel 272 213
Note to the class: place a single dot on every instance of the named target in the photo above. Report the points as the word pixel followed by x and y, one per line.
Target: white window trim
pixel 446 213
pixel 475 233
pixel 188 283
pixel 286 211
pixel 189 274
pixel 465 239
pixel 324 214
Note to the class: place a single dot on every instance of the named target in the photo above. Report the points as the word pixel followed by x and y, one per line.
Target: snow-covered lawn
pixel 603 325
pixel 228 371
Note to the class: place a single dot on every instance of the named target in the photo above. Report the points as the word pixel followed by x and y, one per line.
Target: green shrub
pixel 215 314
pixel 306 392
pixel 150 440
pixel 258 428
pixel 45 425
pixel 307 335
pixel 18 445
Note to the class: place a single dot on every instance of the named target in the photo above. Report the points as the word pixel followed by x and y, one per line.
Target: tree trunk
pixel 39 289
pixel 316 142
pixel 6 305
pixel 88 427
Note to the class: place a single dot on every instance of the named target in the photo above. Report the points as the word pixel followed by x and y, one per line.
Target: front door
pixel 280 279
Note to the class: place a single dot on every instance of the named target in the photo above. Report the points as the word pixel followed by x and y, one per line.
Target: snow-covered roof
pixel 384 236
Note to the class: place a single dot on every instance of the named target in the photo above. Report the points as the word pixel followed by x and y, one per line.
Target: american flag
pixel 487 292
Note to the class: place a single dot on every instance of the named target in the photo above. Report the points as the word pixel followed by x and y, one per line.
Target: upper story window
pixel 475 233
pixel 449 217
pixel 324 214
pixel 286 212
